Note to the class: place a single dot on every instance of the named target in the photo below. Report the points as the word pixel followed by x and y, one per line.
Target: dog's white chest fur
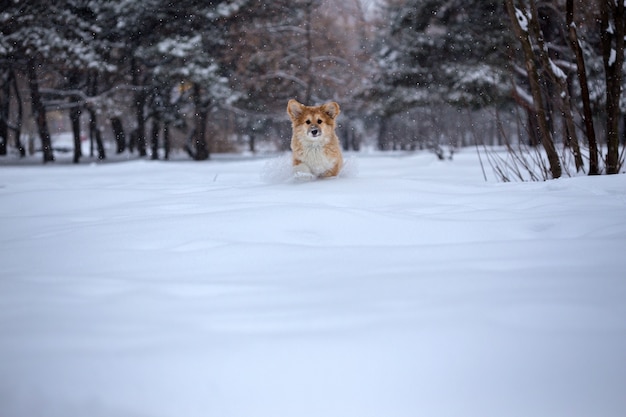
pixel 316 159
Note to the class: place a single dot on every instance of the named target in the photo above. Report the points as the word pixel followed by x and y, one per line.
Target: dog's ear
pixel 294 109
pixel 331 109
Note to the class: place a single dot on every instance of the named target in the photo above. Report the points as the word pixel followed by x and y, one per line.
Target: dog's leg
pixel 334 171
pixel 302 171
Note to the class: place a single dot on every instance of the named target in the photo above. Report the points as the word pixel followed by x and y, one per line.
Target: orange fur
pixel 315 146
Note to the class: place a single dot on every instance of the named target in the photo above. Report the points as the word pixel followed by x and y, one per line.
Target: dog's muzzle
pixel 314 131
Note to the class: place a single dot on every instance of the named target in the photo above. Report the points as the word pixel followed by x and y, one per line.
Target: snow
pixel 612 57
pixel 406 287
pixel 522 19
pixel 179 47
pixel 522 94
pixel 557 71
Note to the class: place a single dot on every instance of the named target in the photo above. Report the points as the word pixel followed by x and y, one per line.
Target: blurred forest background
pixel 155 78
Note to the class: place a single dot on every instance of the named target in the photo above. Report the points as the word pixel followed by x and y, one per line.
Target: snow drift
pixel 410 288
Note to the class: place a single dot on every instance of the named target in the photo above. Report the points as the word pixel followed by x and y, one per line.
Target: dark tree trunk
pixel 75 122
pixel 140 103
pixel 613 53
pixel 5 107
pixel 166 141
pixel 533 129
pixel 39 113
pixel 93 118
pixel 251 143
pixel 581 72
pixel 356 143
pixel 132 141
pixel 95 133
pixel 4 136
pixel 308 65
pixel 17 129
pixel 154 139
pixel 74 114
pixel 118 133
pixel 201 149
pixel 382 134
pixel 140 132
pixel 346 136
pixel 535 88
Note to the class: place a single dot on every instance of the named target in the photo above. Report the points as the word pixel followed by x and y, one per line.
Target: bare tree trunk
pixel 132 140
pixel 5 107
pixel 95 133
pixel 39 112
pixel 355 142
pixel 100 143
pixel 308 54
pixel 584 89
pixel 532 129
pixel 154 138
pixel 251 143
pixel 118 133
pixel 93 117
pixel 535 87
pixel 571 138
pixel 74 115
pixel 382 142
pixel 140 103
pixel 166 141
pixel 558 79
pixel 612 38
pixel 75 122
pixel 17 129
pixel 201 151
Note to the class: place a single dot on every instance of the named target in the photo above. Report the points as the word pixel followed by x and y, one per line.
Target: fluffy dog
pixel 314 144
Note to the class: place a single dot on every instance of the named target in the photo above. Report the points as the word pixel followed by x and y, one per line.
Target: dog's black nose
pixel 314 132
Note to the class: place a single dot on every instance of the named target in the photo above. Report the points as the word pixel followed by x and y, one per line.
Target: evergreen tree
pixel 442 51
pixel 173 51
pixel 40 37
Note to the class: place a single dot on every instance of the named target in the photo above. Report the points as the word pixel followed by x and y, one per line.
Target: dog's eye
pixel 319 121
pixel 308 122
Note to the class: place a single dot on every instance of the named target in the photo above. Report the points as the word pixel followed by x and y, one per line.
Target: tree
pixel 8 86
pixel 445 51
pixel 168 45
pixel 435 52
pixel 40 37
pixel 129 27
pixel 524 33
pixel 613 27
pixel 557 55
pixel 163 64
pixel 581 72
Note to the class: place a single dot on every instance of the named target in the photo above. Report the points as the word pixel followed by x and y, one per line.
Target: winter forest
pixel 154 78
pixel 467 260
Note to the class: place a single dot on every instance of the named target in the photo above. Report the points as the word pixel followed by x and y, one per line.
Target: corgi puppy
pixel 314 144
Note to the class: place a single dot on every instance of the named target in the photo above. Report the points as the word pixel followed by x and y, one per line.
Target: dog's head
pixel 313 122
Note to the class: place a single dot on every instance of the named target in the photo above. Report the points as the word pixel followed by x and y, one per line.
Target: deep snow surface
pixel 407 287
